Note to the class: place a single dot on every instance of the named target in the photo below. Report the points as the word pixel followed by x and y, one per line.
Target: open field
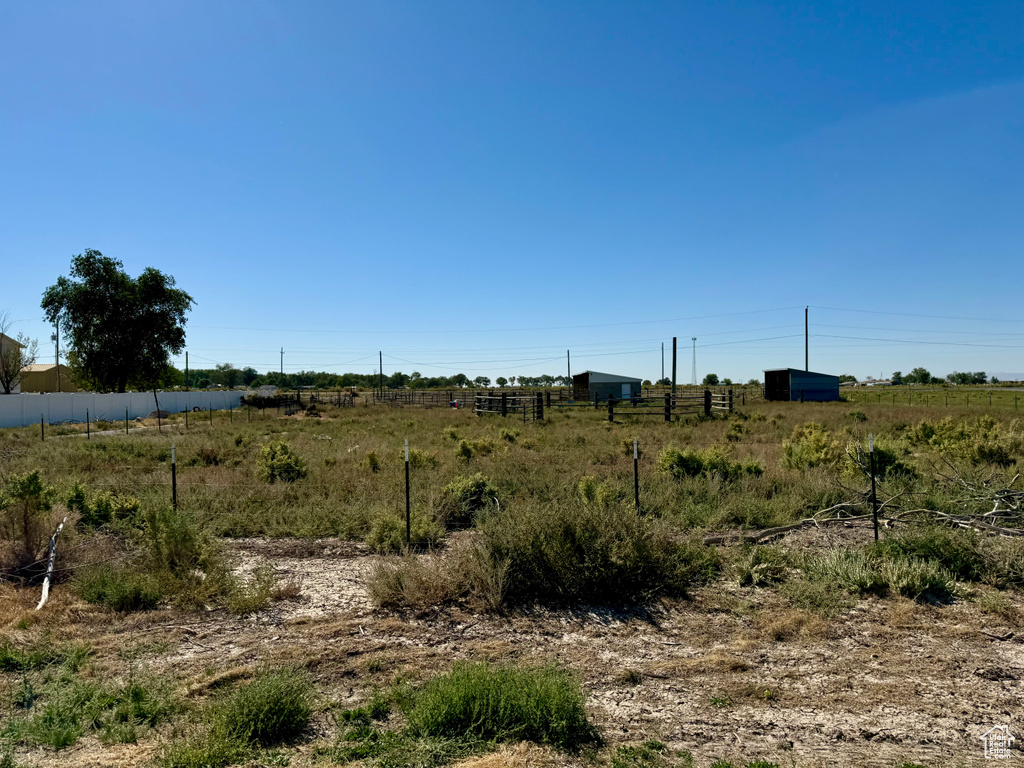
pixel 689 643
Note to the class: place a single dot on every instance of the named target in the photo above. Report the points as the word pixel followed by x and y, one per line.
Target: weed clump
pixel 273 708
pixel 25 520
pixel 985 441
pixel 503 703
pixel 759 566
pixel 387 532
pixel 462 498
pixel 104 508
pixel 811 445
pixel 121 590
pixel 706 463
pixel 590 554
pixel 277 462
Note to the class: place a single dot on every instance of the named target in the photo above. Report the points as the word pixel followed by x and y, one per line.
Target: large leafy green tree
pixel 122 330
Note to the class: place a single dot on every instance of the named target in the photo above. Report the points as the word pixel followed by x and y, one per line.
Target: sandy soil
pixel 732 673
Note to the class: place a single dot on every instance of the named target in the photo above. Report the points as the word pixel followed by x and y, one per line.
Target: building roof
pixel 42 367
pixel 596 377
pixel 801 370
pixel 5 340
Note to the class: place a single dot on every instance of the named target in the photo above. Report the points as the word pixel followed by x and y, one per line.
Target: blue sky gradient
pixel 478 187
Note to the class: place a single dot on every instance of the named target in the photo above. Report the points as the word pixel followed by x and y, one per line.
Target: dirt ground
pixel 733 673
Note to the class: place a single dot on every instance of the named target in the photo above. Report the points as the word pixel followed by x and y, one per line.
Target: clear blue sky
pixel 478 186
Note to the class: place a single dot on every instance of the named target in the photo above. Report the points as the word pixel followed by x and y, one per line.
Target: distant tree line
pixel 924 376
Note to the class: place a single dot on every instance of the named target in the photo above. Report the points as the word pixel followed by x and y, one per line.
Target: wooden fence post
pixel 707 402
pixel 611 408
pixel 668 406
pixel 540 406
pixel 730 401
pixel 504 404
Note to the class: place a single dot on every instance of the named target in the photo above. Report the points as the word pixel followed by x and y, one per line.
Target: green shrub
pixel 508 435
pixel 25 522
pixel 914 577
pixel 858 415
pixel 956 549
pixel 419 459
pixel 708 463
pixel 984 441
pixel 462 498
pixel 373 462
pixel 735 432
pixel 121 590
pixel 850 569
pixel 759 566
pixel 387 532
pixel 858 573
pixel 469 448
pixel 104 508
pixel 596 553
pixel 503 703
pixel 1004 561
pixel 811 445
pixel 273 708
pixel 277 462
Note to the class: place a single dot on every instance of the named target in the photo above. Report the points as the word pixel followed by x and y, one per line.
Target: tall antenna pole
pixel 693 374
pixel 807 364
pixel 673 366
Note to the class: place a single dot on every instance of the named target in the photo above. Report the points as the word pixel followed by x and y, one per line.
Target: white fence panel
pixel 25 409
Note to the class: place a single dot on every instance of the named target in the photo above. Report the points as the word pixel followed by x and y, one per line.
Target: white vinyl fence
pixel 61 408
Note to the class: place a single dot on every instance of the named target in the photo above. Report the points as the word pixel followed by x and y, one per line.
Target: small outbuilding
pixel 593 385
pixel 795 385
pixel 42 377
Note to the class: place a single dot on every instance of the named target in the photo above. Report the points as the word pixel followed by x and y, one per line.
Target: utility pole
pixel 56 352
pixel 693 374
pixel 673 366
pixel 186 370
pixel 381 379
pixel 663 361
pixel 807 364
pixel 568 371
pixel 282 366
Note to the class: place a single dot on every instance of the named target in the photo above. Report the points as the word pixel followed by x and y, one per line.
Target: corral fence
pixel 532 405
pixel 529 405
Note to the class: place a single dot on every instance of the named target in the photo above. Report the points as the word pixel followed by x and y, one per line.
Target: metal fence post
pixel 707 402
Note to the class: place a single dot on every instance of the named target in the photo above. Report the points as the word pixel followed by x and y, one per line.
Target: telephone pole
pixel 673 366
pixel 56 352
pixel 693 374
pixel 568 371
pixel 662 361
pixel 186 370
pixel 282 366
pixel 807 364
